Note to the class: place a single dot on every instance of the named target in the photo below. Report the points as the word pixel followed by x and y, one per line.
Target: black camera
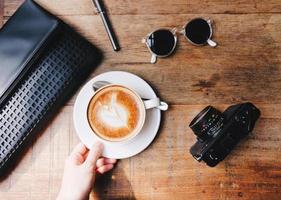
pixel 218 133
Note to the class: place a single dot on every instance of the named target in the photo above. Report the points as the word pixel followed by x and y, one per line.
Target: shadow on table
pixel 113 185
pixel 17 158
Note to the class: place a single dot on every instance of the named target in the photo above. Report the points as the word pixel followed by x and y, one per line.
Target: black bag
pixel 42 61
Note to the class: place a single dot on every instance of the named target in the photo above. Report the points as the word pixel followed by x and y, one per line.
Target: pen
pixel 108 27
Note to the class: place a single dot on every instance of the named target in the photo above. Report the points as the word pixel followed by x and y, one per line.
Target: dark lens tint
pixel 161 42
pixel 198 31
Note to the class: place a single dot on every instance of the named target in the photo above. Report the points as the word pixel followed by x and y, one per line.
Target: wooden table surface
pixel 246 66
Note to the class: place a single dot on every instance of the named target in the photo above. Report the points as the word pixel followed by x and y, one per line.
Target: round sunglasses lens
pixel 161 42
pixel 198 31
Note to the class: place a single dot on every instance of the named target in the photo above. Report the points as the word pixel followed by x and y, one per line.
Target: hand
pixel 80 170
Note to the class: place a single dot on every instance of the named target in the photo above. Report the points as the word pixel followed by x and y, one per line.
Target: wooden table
pixel 246 66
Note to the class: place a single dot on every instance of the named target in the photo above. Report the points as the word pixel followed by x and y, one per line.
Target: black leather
pixel 42 61
pixel 20 40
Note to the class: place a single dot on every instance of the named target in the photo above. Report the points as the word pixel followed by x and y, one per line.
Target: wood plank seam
pixel 1 12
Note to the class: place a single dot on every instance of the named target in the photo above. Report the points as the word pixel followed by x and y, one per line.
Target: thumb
pixel 94 154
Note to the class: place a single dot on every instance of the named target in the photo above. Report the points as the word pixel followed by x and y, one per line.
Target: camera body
pixel 218 133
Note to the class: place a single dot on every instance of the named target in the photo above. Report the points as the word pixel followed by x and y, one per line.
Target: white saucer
pixel 118 150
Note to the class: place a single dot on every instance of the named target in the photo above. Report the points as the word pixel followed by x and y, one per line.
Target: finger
pixel 86 155
pixel 94 154
pixel 77 153
pixel 105 168
pixel 79 148
pixel 105 161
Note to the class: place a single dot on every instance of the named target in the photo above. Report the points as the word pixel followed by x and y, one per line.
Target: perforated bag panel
pixel 57 69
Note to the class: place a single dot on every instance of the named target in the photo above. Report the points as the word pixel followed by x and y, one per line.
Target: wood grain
pixel 133 7
pixel 1 12
pixel 252 171
pixel 246 66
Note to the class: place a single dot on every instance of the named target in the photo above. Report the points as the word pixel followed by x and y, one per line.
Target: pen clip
pixel 99 6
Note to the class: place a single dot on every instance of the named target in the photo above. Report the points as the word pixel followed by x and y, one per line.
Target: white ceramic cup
pixel 154 103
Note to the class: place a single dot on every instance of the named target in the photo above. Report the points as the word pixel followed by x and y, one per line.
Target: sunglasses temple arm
pixel 153 59
pixel 174 30
pixel 211 43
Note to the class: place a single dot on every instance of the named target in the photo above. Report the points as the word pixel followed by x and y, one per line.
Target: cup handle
pixel 163 106
pixel 155 103
pixel 211 43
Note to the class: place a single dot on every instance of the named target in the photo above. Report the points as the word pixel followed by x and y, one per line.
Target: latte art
pixel 114 113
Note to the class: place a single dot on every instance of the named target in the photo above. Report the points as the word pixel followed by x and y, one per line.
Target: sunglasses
pixel 162 42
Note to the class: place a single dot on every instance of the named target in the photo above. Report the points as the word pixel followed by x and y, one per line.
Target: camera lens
pixel 207 123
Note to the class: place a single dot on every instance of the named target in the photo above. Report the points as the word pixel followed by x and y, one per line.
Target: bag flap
pixel 20 39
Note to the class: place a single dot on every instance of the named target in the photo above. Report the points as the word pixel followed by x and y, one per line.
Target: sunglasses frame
pixel 174 31
pixel 209 41
pixel 154 55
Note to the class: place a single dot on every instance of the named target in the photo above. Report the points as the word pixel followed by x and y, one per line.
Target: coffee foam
pixel 114 113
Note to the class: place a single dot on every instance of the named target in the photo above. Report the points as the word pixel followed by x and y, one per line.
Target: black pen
pixel 108 27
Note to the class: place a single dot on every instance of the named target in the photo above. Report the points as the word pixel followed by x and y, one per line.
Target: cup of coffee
pixel 117 113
